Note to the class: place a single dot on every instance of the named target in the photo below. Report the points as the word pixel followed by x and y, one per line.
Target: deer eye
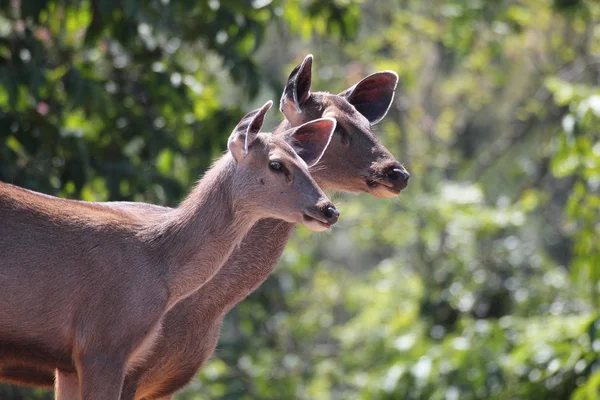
pixel 276 166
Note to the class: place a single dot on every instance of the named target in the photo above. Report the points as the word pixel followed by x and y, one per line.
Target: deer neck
pixel 196 238
pixel 246 269
pixel 249 265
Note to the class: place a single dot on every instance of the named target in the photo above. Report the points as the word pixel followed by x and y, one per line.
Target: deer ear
pixel 311 139
pixel 246 131
pixel 373 96
pixel 297 89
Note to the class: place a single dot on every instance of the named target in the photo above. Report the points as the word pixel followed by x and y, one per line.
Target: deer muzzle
pixel 389 182
pixel 320 217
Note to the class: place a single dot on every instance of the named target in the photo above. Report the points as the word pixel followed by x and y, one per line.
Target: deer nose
pixel 398 175
pixel 330 213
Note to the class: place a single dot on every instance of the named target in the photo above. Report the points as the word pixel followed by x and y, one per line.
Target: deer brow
pixel 290 152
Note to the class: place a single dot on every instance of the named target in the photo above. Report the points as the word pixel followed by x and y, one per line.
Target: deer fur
pixel 353 162
pixel 84 286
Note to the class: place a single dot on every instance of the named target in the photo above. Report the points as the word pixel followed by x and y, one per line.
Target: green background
pixel 481 281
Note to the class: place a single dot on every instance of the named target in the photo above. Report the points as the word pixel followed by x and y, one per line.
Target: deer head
pixel 355 160
pixel 273 178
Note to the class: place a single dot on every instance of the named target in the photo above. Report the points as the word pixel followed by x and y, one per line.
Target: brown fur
pixel 85 285
pixel 191 330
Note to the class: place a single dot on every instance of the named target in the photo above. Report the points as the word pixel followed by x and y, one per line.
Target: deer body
pixel 85 285
pixel 353 160
pixel 192 328
pixel 121 274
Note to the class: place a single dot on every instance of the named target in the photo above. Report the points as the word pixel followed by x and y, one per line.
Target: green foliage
pixel 125 94
pixel 481 282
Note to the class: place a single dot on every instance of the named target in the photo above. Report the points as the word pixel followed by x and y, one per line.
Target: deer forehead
pixel 345 113
pixel 279 149
pixel 353 126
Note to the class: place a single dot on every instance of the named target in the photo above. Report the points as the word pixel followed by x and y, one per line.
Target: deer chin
pixel 314 224
pixel 382 189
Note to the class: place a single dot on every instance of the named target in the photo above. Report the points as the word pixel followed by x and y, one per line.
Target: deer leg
pixel 66 386
pixel 101 378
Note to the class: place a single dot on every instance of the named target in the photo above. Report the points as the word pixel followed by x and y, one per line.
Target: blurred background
pixel 481 281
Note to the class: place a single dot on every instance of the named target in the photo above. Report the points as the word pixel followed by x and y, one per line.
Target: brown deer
pixel 355 161
pixel 84 286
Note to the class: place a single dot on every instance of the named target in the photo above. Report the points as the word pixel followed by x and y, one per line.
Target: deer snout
pixel 330 213
pixel 398 175
pixel 320 217
pixel 387 180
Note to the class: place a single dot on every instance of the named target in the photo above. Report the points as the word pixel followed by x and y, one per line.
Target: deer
pixel 355 161
pixel 85 286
